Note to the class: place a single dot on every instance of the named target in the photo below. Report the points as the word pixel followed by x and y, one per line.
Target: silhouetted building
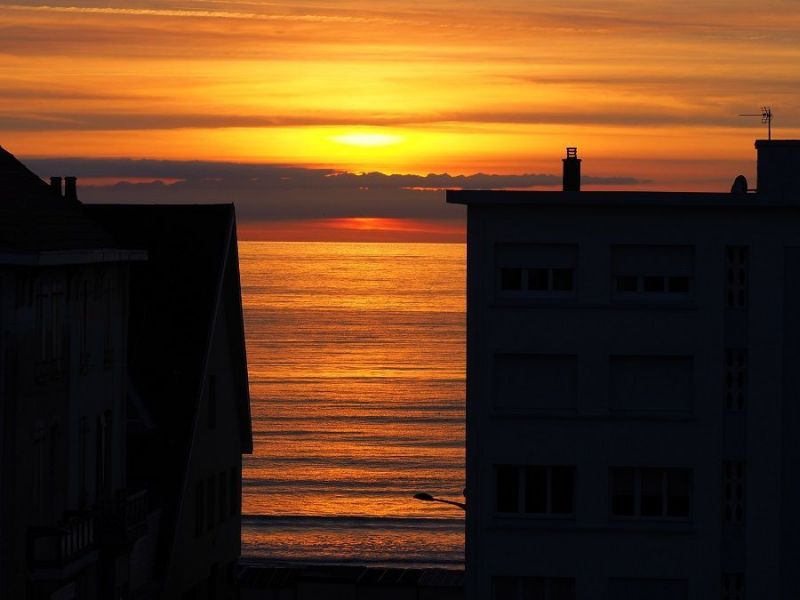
pixel 189 415
pixel 633 372
pixel 123 386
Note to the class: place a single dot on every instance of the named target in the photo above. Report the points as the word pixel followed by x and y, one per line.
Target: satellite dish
pixel 739 185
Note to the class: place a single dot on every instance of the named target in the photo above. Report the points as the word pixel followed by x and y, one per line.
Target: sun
pixel 368 139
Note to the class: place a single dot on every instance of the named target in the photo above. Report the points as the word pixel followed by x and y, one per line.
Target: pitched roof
pixel 34 218
pixel 191 273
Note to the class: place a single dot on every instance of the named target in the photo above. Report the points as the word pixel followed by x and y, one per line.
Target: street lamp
pixel 428 498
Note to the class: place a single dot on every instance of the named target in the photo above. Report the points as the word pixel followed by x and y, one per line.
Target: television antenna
pixel 766 118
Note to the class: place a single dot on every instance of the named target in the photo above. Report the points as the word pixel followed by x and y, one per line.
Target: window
pixel 732 586
pixel 533 588
pixel 103 454
pixel 733 493
pixel 535 490
pixel 511 279
pixel 652 272
pixel 49 326
pixel 109 326
pixel 83 434
pixel 212 401
pixel 736 267
pixel 650 493
pixel 536 270
pixel 212 493
pixel 199 504
pixel 39 440
pixel 735 379
pixel 84 325
pixel 651 383
pixel 652 284
pixel 648 589
pixel 535 381
pixel 545 281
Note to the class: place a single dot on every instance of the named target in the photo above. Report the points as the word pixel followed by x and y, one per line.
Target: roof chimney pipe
pixel 572 171
pixel 778 164
pixel 55 185
pixel 71 189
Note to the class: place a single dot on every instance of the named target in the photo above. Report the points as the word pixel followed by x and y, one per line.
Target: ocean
pixel 356 359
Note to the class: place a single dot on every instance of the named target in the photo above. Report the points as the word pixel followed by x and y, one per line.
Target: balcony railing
pixel 58 546
pixel 122 518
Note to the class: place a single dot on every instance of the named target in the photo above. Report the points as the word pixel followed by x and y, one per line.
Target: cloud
pixel 265 192
pixel 191 13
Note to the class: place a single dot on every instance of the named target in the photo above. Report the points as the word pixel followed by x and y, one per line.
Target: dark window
pixel 623 492
pixel 212 493
pixel 735 379
pixel 562 490
pixel 732 586
pixel 103 452
pixel 538 280
pixel 545 490
pixel 653 284
pixel 627 283
pixel 669 287
pixel 650 493
pixel 84 325
pixel 535 489
pixel 199 504
pixel 212 401
pixel 511 279
pixel 677 493
pixel 678 285
pixel 562 280
pixel 736 267
pixel 83 433
pixel 507 489
pixel 733 481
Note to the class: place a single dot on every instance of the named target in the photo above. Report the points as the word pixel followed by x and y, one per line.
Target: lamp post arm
pixel 460 505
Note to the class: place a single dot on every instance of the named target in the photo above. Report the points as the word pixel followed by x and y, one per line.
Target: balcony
pixel 122 519
pixel 58 552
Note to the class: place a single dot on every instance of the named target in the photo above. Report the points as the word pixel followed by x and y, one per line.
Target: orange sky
pixel 649 90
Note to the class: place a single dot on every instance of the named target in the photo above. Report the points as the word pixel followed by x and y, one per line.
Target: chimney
pixel 778 166
pixel 55 185
pixel 71 189
pixel 572 171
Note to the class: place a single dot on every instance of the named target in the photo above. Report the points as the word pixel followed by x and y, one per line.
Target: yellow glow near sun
pixel 368 140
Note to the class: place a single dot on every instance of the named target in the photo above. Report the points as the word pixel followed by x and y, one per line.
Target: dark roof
pixel 191 270
pixel 35 218
pixel 611 198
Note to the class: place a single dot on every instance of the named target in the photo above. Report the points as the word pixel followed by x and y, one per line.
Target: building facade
pixel 632 375
pixel 123 396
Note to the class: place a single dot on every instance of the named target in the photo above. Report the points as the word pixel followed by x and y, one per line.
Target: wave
pixel 355 521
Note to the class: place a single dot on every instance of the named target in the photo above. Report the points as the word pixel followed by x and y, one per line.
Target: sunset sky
pixel 300 112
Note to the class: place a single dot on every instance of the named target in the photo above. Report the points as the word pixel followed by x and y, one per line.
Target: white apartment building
pixel 633 390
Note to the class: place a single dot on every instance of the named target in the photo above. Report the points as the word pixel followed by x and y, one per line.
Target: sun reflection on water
pixel 356 360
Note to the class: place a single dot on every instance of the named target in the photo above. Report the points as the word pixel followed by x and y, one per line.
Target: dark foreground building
pixel 632 394
pixel 123 396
